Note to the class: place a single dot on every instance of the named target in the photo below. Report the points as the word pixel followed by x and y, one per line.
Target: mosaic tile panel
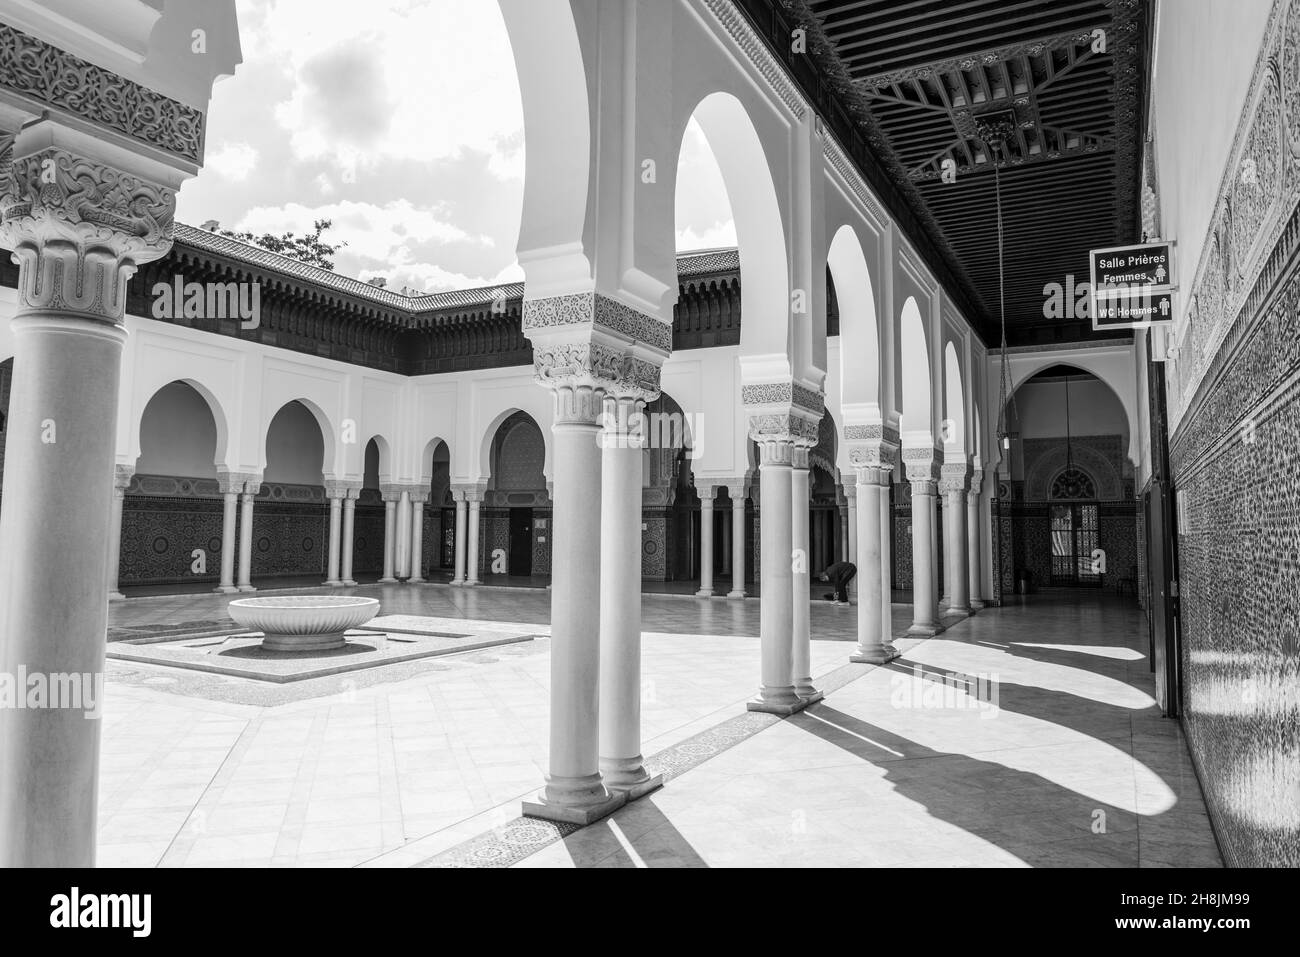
pixel 160 536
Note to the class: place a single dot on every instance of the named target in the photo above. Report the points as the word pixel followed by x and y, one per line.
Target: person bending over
pixel 839 575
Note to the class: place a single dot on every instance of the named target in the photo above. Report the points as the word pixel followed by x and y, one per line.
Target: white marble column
pixel 921 468
pixel 706 494
pixel 875 641
pixel 574 789
pixel 419 495
pixel 953 488
pixel 246 497
pixel 472 569
pixel 725 545
pixel 336 493
pixel 801 581
pixel 348 546
pixel 776 614
pixel 887 556
pixel 229 484
pixel 121 480
pixel 77 228
pixel 851 539
pixel 621 455
pixel 842 513
pixel 462 518
pixel 401 537
pixel 974 533
pixel 391 494
pixel 737 493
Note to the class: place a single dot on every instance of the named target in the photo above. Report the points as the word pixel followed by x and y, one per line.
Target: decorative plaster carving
pixel 921 464
pixel 63 82
pixel 235 482
pixel 734 22
pixel 954 477
pixel 583 308
pixel 78 229
pixel 841 164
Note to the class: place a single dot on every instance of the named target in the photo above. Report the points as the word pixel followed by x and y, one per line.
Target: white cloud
pixel 232 160
pixel 718 236
pixel 413 80
pixel 371 231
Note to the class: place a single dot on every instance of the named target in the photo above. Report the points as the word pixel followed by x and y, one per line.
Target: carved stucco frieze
pixel 555 313
pixel 65 83
pixel 78 229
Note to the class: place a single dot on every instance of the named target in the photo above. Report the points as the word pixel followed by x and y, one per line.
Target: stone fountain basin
pixel 303 622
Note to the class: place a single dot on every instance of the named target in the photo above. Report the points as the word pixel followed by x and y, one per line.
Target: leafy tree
pixel 309 248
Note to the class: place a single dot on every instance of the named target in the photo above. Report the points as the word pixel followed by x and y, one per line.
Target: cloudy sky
pixel 401 122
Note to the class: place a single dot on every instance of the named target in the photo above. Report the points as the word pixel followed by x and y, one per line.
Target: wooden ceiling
pixel 997 92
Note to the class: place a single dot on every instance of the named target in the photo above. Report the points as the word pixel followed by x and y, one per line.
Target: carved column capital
pixel 872 444
pixel 873 475
pixel 921 464
pixel 391 492
pixel 707 493
pixel 737 490
pixel 122 475
pixel 78 229
pixel 587 342
pixel 232 483
pixel 469 491
pixel 954 477
pixel 342 489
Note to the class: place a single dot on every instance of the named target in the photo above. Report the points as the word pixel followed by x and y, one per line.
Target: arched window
pixel 1073 484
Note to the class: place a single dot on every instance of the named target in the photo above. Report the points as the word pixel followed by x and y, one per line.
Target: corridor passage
pixel 1065 762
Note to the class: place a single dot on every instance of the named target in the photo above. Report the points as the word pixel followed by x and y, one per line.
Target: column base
pixel 877 656
pixel 348 583
pixel 737 594
pixel 457 582
pixel 225 590
pixel 956 611
pixel 579 801
pixel 471 582
pixel 976 604
pixel 781 701
pixel 629 776
pixel 334 584
pixel 704 593
pixel 118 596
pixel 809 694
pixel 415 580
pixel 247 588
pixel 925 630
pixel 388 581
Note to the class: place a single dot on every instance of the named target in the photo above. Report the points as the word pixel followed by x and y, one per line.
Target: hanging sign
pixel 1132 286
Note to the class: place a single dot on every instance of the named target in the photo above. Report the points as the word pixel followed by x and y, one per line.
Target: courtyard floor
pixel 1026 735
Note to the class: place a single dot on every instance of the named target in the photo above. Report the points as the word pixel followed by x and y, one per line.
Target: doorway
pixel 521 542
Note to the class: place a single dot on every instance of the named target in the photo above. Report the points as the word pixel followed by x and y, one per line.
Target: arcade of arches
pixel 859 380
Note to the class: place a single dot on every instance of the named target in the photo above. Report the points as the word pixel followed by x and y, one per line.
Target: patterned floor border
pixel 524 836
